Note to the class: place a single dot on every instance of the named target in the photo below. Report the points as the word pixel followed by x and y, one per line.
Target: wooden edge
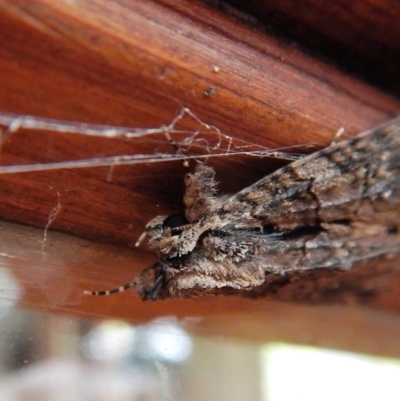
pixel 51 277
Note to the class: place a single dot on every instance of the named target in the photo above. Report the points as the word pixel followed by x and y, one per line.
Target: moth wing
pixel 355 179
pixel 243 260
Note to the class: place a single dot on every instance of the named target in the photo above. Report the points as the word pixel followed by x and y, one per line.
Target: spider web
pixel 203 142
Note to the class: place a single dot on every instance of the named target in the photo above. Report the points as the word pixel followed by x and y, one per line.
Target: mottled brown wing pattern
pixel 352 180
pixel 323 212
pixel 254 259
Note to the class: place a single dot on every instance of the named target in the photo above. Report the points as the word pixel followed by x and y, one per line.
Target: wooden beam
pixel 138 64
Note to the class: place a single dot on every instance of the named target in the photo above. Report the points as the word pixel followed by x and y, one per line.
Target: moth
pixel 326 211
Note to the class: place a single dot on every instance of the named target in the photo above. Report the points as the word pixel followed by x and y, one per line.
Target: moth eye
pixel 175 220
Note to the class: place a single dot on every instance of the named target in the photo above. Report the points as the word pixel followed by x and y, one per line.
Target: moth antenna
pixel 113 291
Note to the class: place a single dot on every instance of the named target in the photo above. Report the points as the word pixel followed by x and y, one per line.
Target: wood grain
pixel 51 278
pixel 360 37
pixel 137 64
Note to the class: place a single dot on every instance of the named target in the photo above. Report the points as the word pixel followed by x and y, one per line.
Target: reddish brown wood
pixel 51 279
pixel 138 63
pixel 361 37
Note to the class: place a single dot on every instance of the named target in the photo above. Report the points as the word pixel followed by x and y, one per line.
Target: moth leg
pixel 336 137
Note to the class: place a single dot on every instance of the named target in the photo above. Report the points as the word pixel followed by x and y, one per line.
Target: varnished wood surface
pixel 50 276
pixel 360 37
pixel 137 64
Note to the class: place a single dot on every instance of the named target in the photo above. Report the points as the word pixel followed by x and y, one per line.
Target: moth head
pixel 163 232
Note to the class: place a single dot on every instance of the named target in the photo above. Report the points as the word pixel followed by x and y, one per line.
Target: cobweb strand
pixel 223 146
